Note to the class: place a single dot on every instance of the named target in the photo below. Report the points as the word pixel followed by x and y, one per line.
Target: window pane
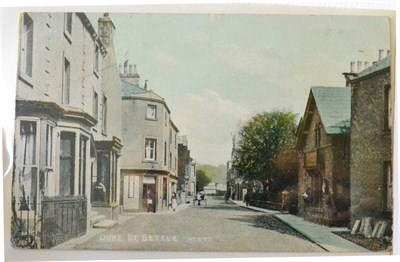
pixel 49 146
pixel 67 161
pixel 68 22
pixel 66 82
pixel 151 111
pixel 28 137
pixel 27 45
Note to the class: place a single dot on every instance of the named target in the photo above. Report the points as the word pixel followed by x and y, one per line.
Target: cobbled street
pixel 217 227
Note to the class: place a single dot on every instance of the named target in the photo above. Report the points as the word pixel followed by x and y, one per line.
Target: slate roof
pixel 334 107
pixel 129 89
pixel 380 65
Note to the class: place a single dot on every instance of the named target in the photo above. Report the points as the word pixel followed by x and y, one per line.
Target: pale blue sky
pixel 216 71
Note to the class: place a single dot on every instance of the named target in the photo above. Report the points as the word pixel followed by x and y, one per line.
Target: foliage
pixel 265 150
pixel 202 180
pixel 216 173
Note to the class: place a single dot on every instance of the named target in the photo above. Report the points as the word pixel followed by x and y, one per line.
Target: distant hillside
pixel 216 173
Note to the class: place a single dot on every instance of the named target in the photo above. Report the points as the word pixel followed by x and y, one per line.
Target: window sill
pixel 68 37
pixel 26 79
pixel 151 119
pixel 150 161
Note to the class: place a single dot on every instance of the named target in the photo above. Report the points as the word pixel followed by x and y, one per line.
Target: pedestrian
pixel 174 202
pixel 198 197
pixel 247 199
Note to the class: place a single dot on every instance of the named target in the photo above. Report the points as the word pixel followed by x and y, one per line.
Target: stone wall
pixel 370 147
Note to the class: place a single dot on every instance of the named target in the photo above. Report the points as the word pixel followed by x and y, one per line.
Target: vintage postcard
pixel 202 132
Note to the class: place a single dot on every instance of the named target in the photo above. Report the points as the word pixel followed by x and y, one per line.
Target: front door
pixel 149 194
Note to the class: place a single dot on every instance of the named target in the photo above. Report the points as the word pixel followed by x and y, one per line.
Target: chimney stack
pixel 388 53
pixel 366 64
pixel 145 84
pixel 120 68
pixel 381 52
pixel 352 67
pixel 126 67
pixel 135 70
pixel 359 66
pixel 106 30
pixel 130 69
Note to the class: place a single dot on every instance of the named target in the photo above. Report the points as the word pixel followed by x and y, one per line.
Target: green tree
pixel 202 180
pixel 262 149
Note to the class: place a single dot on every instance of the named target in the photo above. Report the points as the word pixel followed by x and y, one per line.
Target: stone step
pixel 107 223
pixel 96 219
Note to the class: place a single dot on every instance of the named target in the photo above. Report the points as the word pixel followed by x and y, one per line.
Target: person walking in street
pixel 247 199
pixel 174 202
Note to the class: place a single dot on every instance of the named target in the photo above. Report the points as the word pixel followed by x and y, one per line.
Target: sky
pixel 217 71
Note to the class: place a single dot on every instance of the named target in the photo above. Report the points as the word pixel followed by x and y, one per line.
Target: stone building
pixel 65 137
pixel 149 171
pixel 371 138
pixel 323 153
pixel 186 168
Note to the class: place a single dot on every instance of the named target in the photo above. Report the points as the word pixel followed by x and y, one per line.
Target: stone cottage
pixel 323 153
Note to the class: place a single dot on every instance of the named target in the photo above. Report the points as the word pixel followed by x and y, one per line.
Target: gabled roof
pixel 334 107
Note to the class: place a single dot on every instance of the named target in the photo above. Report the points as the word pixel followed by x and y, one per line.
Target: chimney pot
pixel 366 64
pixel 145 84
pixel 359 66
pixel 388 53
pixel 352 67
pixel 381 54
pixel 120 68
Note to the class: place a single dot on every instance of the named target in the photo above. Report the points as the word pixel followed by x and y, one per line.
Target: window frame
pixel 96 59
pixel 26 49
pixel 148 159
pixel 149 117
pixel 388 175
pixel 104 115
pixel 388 108
pixel 68 19
pixel 20 163
pixel 50 154
pixel 95 106
pixel 66 82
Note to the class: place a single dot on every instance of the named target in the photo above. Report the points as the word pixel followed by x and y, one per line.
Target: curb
pixel 301 233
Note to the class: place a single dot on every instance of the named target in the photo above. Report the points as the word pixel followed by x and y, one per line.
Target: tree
pixel 202 180
pixel 265 141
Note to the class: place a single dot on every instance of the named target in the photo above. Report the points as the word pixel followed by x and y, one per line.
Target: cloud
pixel 209 121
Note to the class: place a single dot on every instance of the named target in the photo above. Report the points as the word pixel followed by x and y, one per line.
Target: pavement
pixel 91 232
pixel 321 235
